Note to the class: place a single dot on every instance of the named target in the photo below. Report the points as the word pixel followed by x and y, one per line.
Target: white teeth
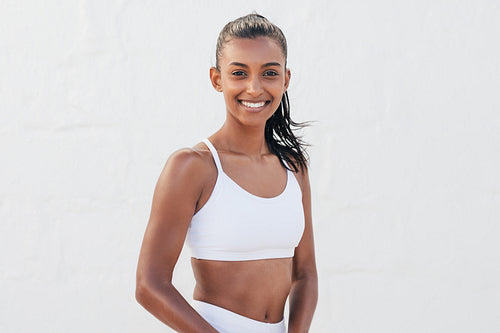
pixel 253 105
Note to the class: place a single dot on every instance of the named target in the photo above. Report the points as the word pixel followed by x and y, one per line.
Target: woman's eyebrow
pixel 269 64
pixel 239 64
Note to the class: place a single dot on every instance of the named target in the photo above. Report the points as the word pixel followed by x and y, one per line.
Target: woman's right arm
pixel 174 203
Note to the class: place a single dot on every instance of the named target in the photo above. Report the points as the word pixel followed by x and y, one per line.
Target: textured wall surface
pixel 95 95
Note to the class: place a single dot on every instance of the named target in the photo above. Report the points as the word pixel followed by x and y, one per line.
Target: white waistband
pixel 226 321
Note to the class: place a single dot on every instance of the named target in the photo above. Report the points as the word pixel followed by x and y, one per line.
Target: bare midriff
pixel 256 289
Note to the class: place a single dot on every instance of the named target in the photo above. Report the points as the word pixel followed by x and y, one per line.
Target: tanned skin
pixel 251 70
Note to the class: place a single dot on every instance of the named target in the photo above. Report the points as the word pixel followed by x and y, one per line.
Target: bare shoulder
pixel 302 176
pixel 189 165
pixel 194 158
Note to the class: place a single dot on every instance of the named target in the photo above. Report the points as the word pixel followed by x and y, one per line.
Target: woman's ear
pixel 288 74
pixel 215 79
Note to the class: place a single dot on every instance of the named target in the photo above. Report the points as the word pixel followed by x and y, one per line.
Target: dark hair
pixel 279 135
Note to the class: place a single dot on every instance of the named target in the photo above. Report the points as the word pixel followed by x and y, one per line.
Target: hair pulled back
pixel 279 135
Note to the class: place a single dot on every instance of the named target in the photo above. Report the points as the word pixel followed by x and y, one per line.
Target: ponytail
pixel 281 140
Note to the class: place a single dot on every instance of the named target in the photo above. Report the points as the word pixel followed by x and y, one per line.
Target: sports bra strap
pixel 214 154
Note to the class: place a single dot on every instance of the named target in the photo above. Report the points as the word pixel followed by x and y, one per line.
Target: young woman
pixel 242 201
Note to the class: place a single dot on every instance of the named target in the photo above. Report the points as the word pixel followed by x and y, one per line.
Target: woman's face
pixel 252 77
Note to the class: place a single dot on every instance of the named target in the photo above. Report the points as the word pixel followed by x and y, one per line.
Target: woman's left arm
pixel 304 291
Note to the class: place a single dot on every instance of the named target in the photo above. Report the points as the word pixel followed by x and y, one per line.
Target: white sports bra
pixel 235 225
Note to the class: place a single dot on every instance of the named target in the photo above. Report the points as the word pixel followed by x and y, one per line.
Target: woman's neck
pixel 242 139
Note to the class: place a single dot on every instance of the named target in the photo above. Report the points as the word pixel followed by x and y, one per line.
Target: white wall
pixel 94 96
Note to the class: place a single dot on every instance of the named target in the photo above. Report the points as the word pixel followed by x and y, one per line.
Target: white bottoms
pixel 226 321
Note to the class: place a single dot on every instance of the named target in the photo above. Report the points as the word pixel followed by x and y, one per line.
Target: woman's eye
pixel 270 73
pixel 238 73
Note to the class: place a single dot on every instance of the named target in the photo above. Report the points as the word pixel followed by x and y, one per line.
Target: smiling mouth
pixel 254 105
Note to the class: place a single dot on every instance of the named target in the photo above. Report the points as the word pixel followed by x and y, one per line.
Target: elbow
pixel 312 281
pixel 142 292
pixel 307 281
pixel 310 275
pixel 149 290
pixel 145 290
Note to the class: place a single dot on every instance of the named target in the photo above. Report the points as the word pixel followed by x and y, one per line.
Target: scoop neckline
pixel 218 165
pixel 254 195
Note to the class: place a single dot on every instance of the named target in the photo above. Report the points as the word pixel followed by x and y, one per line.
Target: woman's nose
pixel 254 85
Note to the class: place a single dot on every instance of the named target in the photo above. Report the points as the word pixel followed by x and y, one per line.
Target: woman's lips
pixel 254 106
